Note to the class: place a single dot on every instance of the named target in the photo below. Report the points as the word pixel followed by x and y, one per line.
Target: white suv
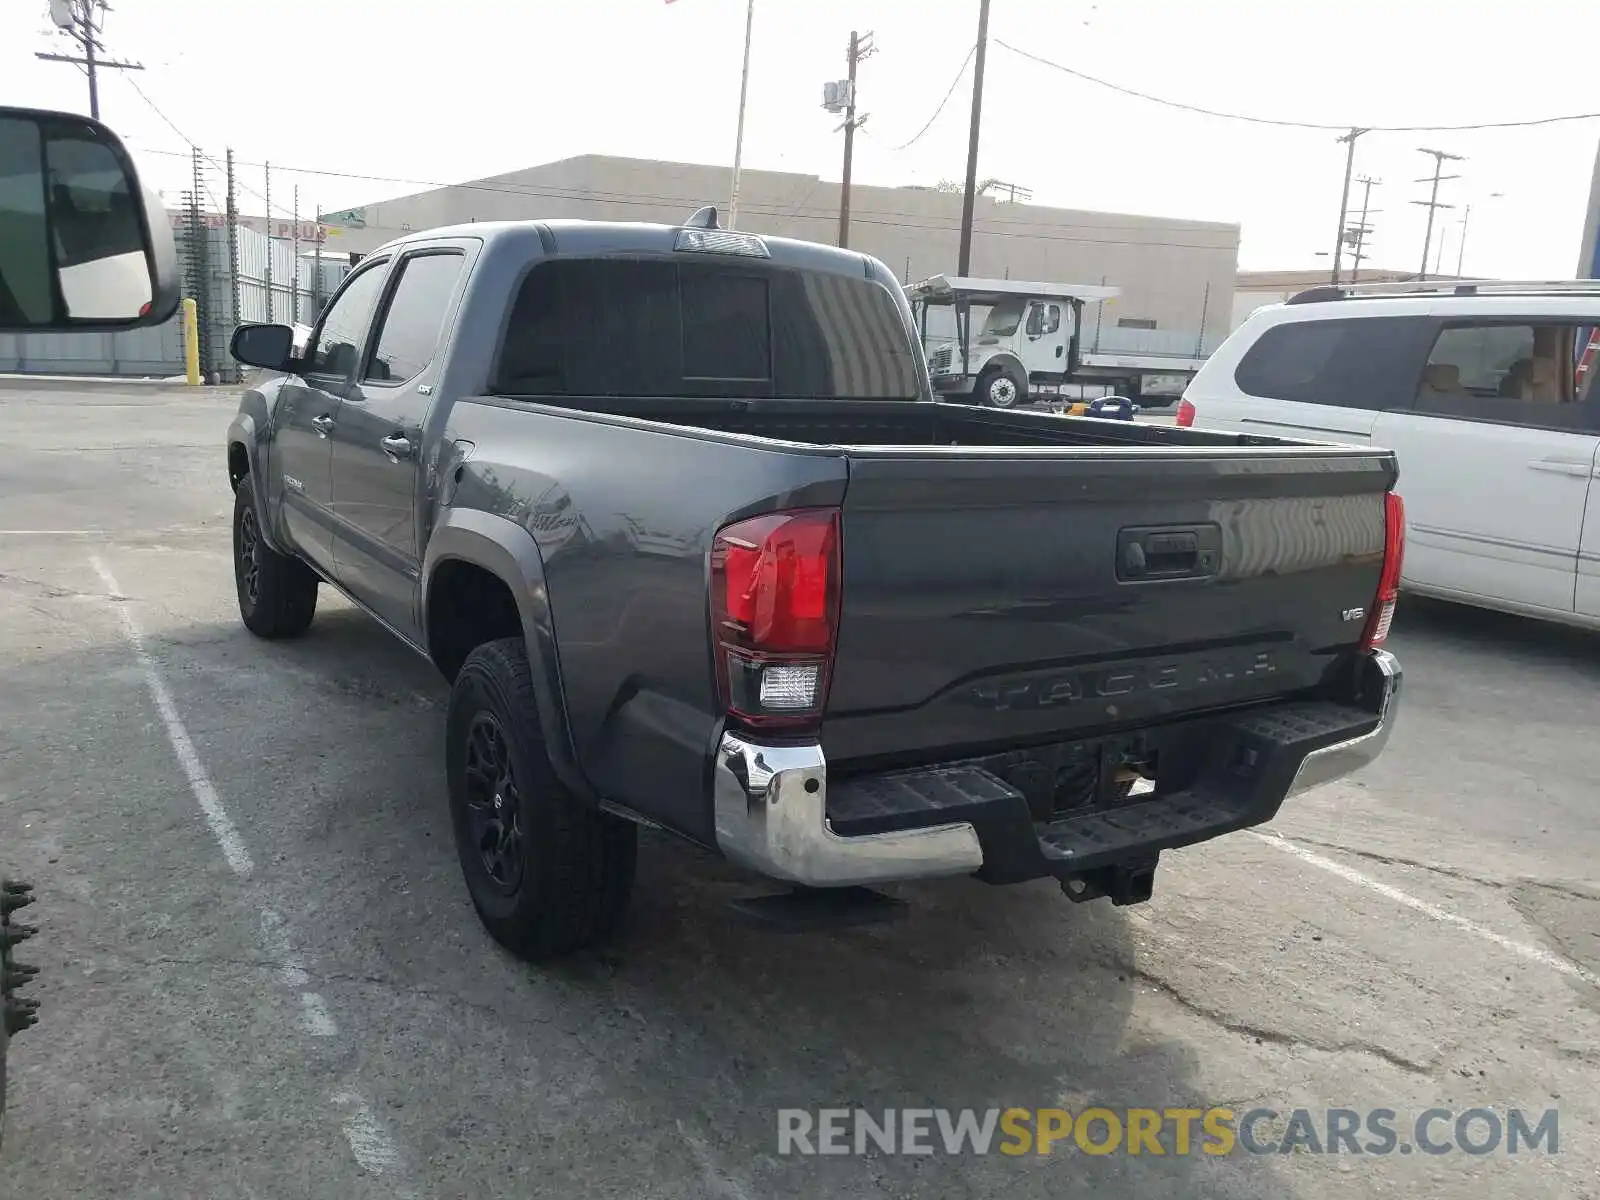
pixel 1485 393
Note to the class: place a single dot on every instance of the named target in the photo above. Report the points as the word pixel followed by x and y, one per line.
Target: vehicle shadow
pixel 689 1032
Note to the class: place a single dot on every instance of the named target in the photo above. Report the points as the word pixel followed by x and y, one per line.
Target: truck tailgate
pixel 993 597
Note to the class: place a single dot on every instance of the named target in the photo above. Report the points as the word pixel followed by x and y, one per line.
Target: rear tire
pixel 277 593
pixel 1001 387
pixel 547 873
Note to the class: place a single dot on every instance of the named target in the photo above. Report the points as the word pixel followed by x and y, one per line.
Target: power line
pixel 950 91
pixel 193 145
pixel 1285 124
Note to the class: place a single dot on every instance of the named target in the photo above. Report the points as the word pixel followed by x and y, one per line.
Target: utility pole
pixel 1362 229
pixel 81 20
pixel 1014 191
pixel 1432 203
pixel 860 47
pixel 1349 140
pixel 970 196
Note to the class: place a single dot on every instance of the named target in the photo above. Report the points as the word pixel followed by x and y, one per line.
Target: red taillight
pixel 1185 414
pixel 775 615
pixel 1394 551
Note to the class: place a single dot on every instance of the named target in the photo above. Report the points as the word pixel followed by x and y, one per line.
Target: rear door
pixel 377 446
pixel 1496 462
pixel 1322 379
pixel 308 412
pixel 990 597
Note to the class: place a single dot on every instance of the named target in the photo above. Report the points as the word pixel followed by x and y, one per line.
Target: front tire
pixel 1001 387
pixel 547 873
pixel 277 593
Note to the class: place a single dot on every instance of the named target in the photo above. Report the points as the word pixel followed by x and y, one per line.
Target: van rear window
pixel 1352 362
pixel 656 328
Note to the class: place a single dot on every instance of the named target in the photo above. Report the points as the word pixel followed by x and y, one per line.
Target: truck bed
pixel 987 601
pixel 846 424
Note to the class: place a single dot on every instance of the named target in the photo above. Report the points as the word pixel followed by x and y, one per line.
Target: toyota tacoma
pixel 678 516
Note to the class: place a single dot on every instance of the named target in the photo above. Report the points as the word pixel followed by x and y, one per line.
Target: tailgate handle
pixel 1168 552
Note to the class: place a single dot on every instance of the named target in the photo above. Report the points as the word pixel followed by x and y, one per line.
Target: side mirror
pixel 270 347
pixel 84 244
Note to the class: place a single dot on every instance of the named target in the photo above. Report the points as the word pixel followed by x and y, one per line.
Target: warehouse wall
pixel 1171 272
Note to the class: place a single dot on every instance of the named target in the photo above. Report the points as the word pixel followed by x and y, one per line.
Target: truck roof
pixel 575 236
pixel 943 289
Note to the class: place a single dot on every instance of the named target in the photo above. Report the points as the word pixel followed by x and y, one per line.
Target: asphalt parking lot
pixel 262 976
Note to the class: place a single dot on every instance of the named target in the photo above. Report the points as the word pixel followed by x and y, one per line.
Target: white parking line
pixel 1535 954
pixel 222 826
pixel 374 1150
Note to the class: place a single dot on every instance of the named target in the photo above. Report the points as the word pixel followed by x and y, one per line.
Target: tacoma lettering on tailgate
pixel 1049 690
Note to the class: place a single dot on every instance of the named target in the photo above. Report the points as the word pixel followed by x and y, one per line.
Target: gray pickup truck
pixel 676 513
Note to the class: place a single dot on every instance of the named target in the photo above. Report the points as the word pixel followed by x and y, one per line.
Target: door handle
pixel 1561 466
pixel 396 446
pixel 323 425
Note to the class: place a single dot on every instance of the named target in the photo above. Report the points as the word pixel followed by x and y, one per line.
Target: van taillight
pixel 1185 414
pixel 775 615
pixel 1394 550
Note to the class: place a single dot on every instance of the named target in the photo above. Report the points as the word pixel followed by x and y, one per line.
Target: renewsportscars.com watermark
pixel 1166 1131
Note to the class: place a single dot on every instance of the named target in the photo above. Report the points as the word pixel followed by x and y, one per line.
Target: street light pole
pixel 969 198
pixel 744 89
pixel 1461 251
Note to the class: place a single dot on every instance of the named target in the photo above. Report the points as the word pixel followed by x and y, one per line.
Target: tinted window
pixel 725 326
pixel 415 317
pixel 1508 374
pixel 345 324
pixel 650 328
pixel 1358 362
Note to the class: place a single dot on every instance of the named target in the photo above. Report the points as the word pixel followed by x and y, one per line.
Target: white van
pixel 1485 394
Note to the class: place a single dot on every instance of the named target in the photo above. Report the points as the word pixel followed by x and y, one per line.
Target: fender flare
pixel 508 551
pixel 242 429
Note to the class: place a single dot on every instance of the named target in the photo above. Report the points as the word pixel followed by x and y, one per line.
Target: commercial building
pixel 1176 276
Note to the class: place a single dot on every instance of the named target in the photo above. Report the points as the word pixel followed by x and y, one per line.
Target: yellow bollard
pixel 191 341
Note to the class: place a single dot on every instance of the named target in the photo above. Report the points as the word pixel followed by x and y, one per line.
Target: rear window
pixel 1356 362
pixel 652 328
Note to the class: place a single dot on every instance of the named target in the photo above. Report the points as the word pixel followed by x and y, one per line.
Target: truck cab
pixel 1024 349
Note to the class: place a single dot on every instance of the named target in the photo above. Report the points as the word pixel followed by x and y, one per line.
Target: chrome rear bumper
pixel 1343 758
pixel 771 813
pixel 771 805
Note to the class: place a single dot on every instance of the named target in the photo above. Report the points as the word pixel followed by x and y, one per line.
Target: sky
pixel 428 91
